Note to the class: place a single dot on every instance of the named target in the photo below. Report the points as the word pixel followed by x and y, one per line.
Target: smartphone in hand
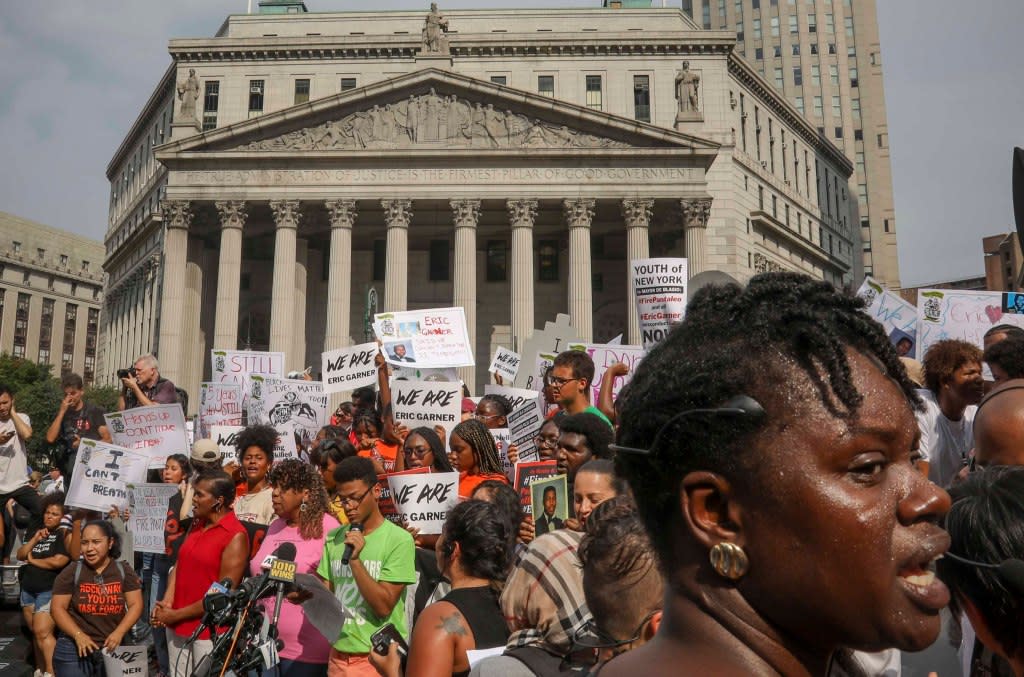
pixel 382 639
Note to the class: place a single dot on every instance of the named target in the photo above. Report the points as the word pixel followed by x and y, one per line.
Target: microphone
pixel 251 587
pixel 216 600
pixel 346 555
pixel 283 572
pixel 1010 571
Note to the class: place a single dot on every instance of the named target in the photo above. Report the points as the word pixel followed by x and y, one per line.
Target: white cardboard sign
pixel 102 473
pixel 659 290
pixel 275 401
pixel 965 315
pixel 505 364
pixel 148 514
pixel 898 317
pixel 436 337
pixel 346 369
pixel 157 431
pixel 423 500
pixel 524 425
pixel 219 404
pixel 427 403
pixel 225 436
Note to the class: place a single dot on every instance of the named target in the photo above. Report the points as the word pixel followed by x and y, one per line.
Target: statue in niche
pixel 434 29
pixel 687 83
pixel 188 94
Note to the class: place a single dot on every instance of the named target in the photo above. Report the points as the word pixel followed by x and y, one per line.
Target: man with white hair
pixel 144 387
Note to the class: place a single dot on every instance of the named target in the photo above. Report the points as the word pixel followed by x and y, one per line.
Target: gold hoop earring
pixel 729 561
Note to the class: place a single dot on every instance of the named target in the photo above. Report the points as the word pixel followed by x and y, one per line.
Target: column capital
pixel 579 212
pixel 466 212
pixel 232 213
pixel 342 213
pixel 522 212
pixel 636 212
pixel 397 213
pixel 695 212
pixel 287 213
pixel 176 213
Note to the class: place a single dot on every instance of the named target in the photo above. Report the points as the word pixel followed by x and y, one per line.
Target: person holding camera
pixel 143 386
pixel 76 419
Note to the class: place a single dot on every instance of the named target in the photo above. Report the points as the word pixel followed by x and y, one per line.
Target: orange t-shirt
pixel 384 453
pixel 467 482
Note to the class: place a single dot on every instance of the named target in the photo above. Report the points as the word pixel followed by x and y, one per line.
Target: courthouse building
pixel 297 164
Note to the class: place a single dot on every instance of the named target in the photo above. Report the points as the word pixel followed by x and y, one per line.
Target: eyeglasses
pixel 417 452
pixel 547 442
pixel 478 416
pixel 559 382
pixel 353 500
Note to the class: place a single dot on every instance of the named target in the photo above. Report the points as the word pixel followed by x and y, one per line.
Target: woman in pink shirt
pixel 304 519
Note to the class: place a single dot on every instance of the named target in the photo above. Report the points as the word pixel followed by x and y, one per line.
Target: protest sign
pixel 278 400
pixel 146 521
pixel 517 396
pixel 427 403
pixel 234 366
pixel 219 404
pixel 505 364
pixel 423 500
pixel 157 431
pixel 526 474
pixel 502 440
pixel 540 349
pixel 605 356
pixel 385 502
pixel 102 473
pixel 524 425
pixel 961 314
pixel 126 661
pixel 897 316
pixel 285 447
pixel 349 368
pixel 659 290
pixel 413 373
pixel 549 504
pixel 436 337
pixel 225 436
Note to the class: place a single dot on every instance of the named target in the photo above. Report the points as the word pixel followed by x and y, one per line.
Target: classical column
pixel 286 217
pixel 695 223
pixel 466 214
pixel 147 305
pixel 521 215
pixel 397 215
pixel 637 215
pixel 229 274
pixel 578 215
pixel 177 216
pixel 339 281
pixel 194 349
pixel 299 323
pixel 154 264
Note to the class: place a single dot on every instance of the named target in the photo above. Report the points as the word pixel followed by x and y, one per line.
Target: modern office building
pixel 825 57
pixel 511 162
pixel 1003 262
pixel 51 293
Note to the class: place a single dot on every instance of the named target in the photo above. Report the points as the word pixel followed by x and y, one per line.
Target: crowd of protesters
pixel 786 495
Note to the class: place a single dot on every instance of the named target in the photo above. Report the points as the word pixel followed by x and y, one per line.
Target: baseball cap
pixel 205 450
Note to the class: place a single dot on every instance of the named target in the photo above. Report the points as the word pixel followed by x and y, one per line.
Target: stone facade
pixel 514 175
pixel 51 293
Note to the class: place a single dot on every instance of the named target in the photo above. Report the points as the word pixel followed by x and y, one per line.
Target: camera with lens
pixel 125 373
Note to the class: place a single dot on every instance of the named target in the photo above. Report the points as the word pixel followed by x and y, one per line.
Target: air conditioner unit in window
pixel 256 89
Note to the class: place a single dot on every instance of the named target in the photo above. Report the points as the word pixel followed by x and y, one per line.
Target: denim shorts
pixel 39 601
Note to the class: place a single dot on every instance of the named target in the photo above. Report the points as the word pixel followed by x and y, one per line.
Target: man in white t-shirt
pixel 954 385
pixel 15 430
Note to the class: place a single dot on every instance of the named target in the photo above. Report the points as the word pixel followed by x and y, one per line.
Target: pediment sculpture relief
pixel 434 120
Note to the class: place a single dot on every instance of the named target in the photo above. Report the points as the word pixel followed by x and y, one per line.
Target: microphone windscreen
pixel 1012 574
pixel 286 551
pixel 355 526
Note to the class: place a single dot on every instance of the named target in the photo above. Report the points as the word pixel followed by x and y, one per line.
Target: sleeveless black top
pixel 479 606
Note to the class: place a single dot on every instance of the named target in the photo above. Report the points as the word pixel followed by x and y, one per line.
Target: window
pixel 758 53
pixel 91 331
pixel 858 135
pixel 64 260
pixel 743 121
pixel 499 79
pixel 546 85
pixel 211 100
pixel 833 74
pixel 755 4
pixel 16 246
pixel 40 253
pixel 774 23
pixel 760 198
pixel 876 58
pixel 347 84
pixel 642 97
pixel 775 207
pixel 46 331
pixel 757 29
pixel 860 164
pixel 739 30
pixel 301 90
pixel 547 254
pixel 796 49
pixel 832 48
pixel 778 78
pixel 798 77
pixel 839 132
pixel 255 97
pixel 812 23
pixel 68 356
pixel 799 101
pixel 854 80
pixel 777 51
pixel 497 261
pixel 757 130
pixel 380 259
pixel 851 50
pixel 848 25
pixel 816 75
pixel 594 98
pixel 814 48
pixel 793 28
pixel 439 269
pixel 883 140
pixel 830 23
pixel 818 111
pixel 837 110
pixel 888 226
pixel 855 109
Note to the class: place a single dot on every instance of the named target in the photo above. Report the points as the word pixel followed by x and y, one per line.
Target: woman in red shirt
pixel 475 455
pixel 216 548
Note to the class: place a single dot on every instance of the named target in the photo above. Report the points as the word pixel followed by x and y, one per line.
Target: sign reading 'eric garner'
pixel 157 431
pixel 962 314
pixel 429 338
pixel 349 368
pixel 427 403
pixel 102 473
pixel 659 288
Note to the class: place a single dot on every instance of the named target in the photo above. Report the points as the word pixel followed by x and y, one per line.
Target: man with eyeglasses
pixel 570 379
pixel 371 586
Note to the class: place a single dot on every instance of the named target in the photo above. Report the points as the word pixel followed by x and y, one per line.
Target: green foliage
pixel 103 396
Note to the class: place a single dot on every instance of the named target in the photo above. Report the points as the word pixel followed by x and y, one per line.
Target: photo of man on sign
pixel 550 504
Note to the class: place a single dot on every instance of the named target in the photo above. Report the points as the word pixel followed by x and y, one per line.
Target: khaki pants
pixel 350 665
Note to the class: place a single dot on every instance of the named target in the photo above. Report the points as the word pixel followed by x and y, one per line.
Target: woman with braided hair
pixel 303 518
pixel 475 455
pixel 771 446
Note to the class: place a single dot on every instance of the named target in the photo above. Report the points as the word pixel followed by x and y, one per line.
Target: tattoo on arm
pixel 453 624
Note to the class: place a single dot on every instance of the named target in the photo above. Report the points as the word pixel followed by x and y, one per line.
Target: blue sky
pixel 74 75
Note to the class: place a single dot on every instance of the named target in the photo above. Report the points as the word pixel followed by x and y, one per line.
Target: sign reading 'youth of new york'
pixel 659 289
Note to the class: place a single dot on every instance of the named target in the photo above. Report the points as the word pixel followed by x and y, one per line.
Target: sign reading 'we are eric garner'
pixel 505 364
pixel 148 515
pixel 659 288
pixel 349 368
pixel 157 431
pixel 102 473
pixel 898 317
pixel 427 403
pixel 423 500
pixel 429 338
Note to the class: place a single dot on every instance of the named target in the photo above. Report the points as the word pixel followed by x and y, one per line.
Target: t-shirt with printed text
pixel 97 602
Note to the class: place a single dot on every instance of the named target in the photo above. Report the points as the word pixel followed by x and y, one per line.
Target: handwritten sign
pixel 285 446
pixel 349 368
pixel 102 473
pixel 529 473
pixel 127 661
pixel 225 436
pixel 524 426
pixel 605 356
pixel 436 337
pixel 659 290
pixel 275 401
pixel 219 404
pixel 424 500
pixel 386 502
pixel 148 504
pixel 158 431
pixel 960 314
pixel 427 403
pixel 503 440
pixel 897 316
pixel 505 364
pixel 235 366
